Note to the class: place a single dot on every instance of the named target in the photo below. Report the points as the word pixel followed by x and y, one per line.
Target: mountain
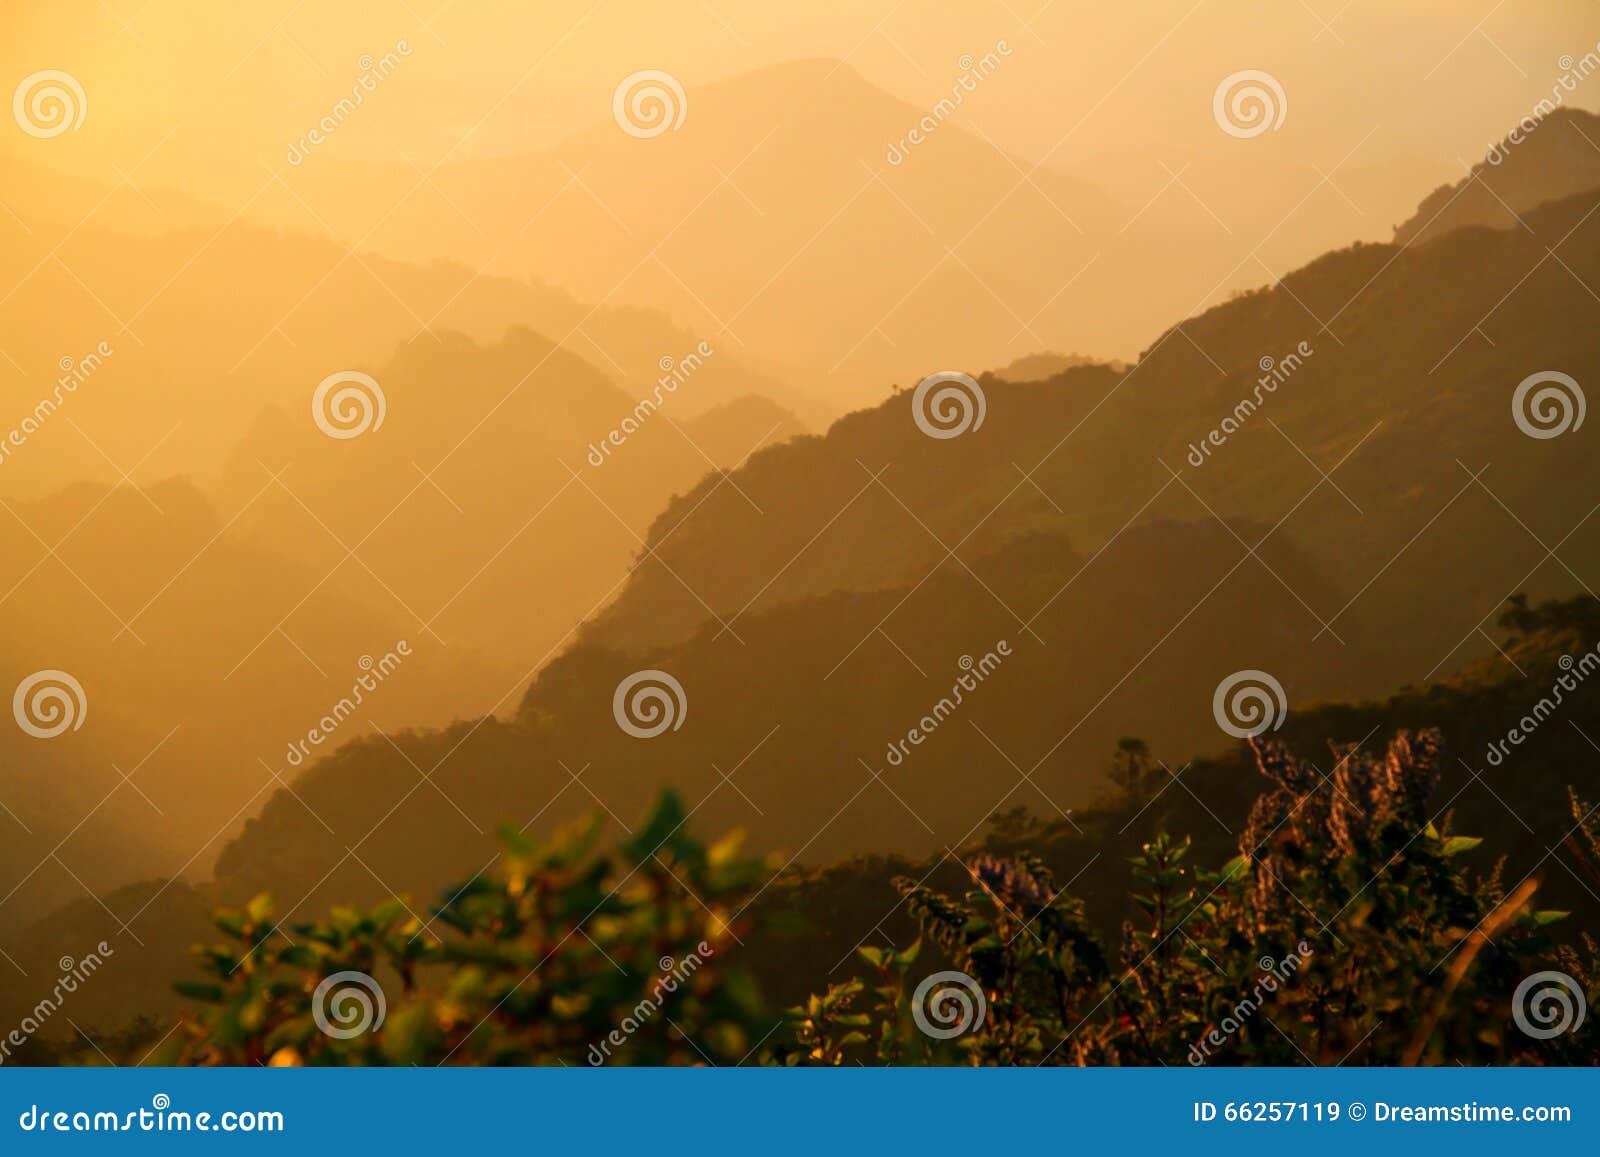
pixel 1542 160
pixel 212 632
pixel 528 475
pixel 1528 832
pixel 778 179
pixel 870 640
pixel 725 431
pixel 1042 367
pixel 158 349
pixel 809 731
pixel 152 607
pixel 829 587
pixel 812 918
pixel 1400 402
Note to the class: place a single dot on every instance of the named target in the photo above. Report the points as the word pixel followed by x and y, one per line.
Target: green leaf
pixel 299 956
pixel 665 824
pixel 408 1036
pixel 197 990
pixel 1455 845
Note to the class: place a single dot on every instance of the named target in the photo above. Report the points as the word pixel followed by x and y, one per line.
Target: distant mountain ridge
pixel 1042 367
pixel 823 589
pixel 837 578
pixel 1542 161
pixel 777 180
pixel 223 324
pixel 1400 371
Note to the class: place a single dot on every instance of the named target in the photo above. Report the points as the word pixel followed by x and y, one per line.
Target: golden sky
pixel 217 90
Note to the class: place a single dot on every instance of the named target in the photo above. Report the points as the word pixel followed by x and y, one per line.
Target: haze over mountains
pixel 833 583
pixel 1521 172
pixel 647 406
pixel 223 322
pixel 960 250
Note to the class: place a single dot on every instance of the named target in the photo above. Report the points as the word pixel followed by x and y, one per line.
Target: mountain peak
pixel 1539 160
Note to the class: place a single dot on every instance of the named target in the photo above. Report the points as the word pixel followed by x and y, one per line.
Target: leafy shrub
pixel 1347 929
pixel 558 956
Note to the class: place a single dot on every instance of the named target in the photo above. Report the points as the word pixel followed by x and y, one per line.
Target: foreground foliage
pixel 557 955
pixel 1348 929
